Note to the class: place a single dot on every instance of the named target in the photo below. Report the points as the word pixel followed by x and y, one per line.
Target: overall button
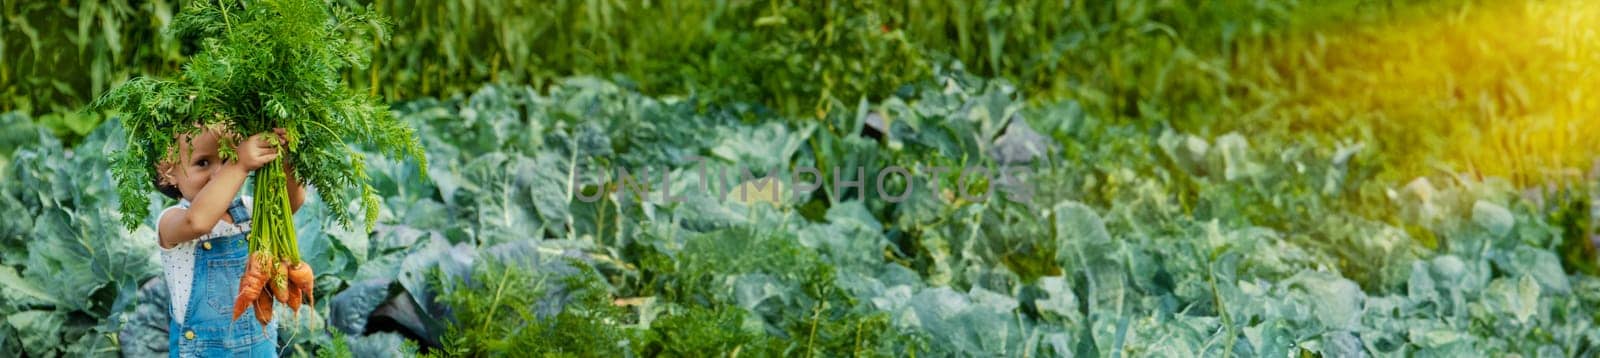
pixel 206 245
pixel 188 335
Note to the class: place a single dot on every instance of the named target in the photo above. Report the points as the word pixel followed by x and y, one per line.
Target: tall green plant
pixel 54 56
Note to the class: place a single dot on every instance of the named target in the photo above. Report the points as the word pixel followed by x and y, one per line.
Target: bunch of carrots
pixel 274 269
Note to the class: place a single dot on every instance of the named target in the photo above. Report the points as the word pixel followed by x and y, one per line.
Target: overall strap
pixel 174 332
pixel 239 212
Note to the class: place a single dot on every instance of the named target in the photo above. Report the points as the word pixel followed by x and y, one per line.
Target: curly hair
pixel 171 191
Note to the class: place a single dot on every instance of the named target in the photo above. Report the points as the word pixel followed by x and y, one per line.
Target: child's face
pixel 196 161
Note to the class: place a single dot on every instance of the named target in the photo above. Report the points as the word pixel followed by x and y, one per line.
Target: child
pixel 203 245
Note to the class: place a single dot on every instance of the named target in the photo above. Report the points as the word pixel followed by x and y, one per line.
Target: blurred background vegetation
pixel 1389 97
pixel 1495 88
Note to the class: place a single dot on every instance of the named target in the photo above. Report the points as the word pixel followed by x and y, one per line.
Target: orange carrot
pixel 304 281
pixel 294 298
pixel 255 276
pixel 280 284
pixel 264 309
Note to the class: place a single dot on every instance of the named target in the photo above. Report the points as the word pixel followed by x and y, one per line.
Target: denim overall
pixel 208 329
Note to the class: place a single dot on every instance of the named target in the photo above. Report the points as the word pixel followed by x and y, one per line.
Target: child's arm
pixel 181 225
pixel 297 192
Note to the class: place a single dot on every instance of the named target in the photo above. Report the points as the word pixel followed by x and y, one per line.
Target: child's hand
pixel 283 136
pixel 258 150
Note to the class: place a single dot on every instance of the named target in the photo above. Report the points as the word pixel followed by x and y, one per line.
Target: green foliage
pixel 337 349
pixel 1571 210
pixel 345 346
pixel 1136 241
pixel 501 317
pixel 69 274
pixel 1208 68
pixel 1181 208
pixel 100 43
pixel 696 331
pixel 264 65
pixel 794 56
